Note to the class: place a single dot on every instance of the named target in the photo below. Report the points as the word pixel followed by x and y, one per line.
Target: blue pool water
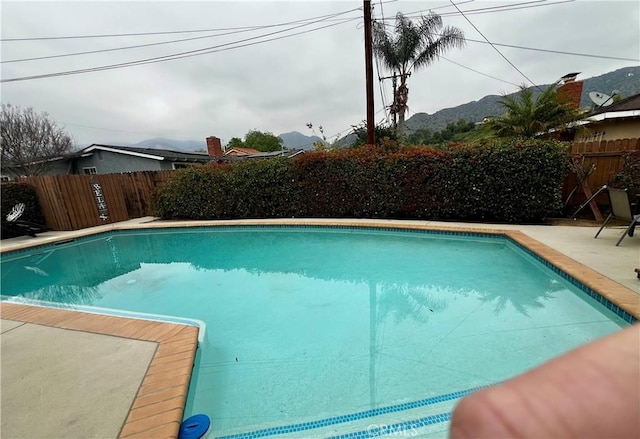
pixel 326 330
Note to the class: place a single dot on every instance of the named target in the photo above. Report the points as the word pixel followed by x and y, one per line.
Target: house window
pixel 99 154
pixel 90 170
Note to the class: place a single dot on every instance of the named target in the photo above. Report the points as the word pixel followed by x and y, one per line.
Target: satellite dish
pixel 600 99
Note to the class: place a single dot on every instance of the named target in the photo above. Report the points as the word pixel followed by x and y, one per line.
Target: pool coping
pixel 152 417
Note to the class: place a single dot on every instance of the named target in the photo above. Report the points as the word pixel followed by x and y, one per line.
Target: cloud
pixel 279 85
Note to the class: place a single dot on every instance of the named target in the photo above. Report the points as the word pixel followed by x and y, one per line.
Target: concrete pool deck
pixel 68 374
pixel 145 397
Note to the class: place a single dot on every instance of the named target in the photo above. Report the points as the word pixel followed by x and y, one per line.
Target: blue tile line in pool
pixel 293 428
pixel 396 429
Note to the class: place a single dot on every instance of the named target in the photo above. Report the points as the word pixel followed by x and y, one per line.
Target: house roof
pixel 152 153
pixel 241 151
pixel 626 104
pixel 624 109
pixel 287 153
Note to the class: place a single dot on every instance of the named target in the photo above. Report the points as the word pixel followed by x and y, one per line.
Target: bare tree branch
pixel 29 141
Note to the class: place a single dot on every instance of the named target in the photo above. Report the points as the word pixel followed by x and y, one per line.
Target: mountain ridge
pixel 295 139
pixel 625 80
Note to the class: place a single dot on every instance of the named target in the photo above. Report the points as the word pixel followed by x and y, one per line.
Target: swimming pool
pixel 328 330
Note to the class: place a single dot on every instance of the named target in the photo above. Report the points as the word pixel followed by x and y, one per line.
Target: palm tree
pixel 527 116
pixel 411 46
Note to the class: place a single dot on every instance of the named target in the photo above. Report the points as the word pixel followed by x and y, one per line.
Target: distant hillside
pixel 175 145
pixel 474 111
pixel 625 80
pixel 347 140
pixel 290 140
pixel 295 139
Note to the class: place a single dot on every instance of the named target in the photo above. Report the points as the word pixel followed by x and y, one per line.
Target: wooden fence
pixel 605 159
pixel 72 202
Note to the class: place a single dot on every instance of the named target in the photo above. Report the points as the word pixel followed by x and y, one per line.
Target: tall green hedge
pixel 14 193
pixel 504 181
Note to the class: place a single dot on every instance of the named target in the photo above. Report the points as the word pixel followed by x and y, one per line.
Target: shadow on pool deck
pixel 78 382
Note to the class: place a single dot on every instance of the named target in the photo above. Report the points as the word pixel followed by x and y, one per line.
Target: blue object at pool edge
pixel 194 427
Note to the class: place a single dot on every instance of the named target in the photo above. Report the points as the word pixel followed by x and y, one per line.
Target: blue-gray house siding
pixel 110 159
pixel 107 162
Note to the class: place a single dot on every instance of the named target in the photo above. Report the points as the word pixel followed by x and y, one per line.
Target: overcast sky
pixel 280 85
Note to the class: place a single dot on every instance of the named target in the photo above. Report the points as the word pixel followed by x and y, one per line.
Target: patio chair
pixel 620 209
pixel 17 226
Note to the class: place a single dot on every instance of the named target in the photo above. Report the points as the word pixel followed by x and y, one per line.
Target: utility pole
pixel 368 54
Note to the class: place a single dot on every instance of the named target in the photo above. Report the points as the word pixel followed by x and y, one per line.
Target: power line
pixel 252 28
pixel 187 54
pixel 495 48
pixel 140 45
pixel 479 72
pixel 117 48
pixel 239 29
pixel 511 7
pixel 561 52
pixel 437 7
pixel 537 49
pixel 490 9
pixel 231 30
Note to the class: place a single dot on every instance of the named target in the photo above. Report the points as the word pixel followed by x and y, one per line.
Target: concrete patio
pixel 39 363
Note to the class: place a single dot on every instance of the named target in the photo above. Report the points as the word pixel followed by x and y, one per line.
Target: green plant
pixel 506 180
pixel 527 116
pixel 383 134
pixel 263 189
pixel 258 140
pixel 509 180
pixel 454 131
pixel 201 192
pixel 629 176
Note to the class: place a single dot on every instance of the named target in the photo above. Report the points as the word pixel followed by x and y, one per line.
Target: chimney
pixel 570 90
pixel 214 147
